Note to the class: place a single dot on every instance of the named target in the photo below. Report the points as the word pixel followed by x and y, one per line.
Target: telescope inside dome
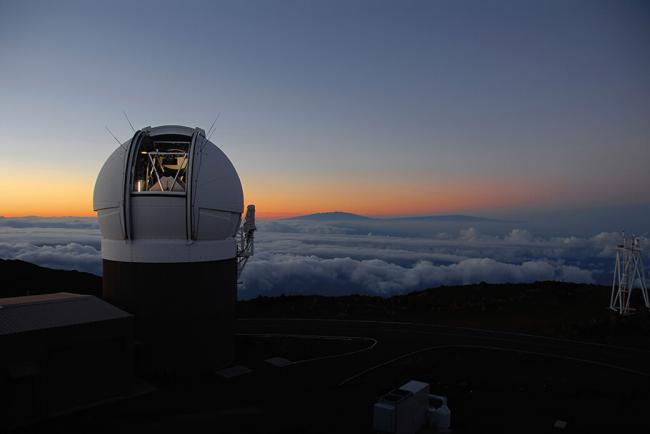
pixel 161 166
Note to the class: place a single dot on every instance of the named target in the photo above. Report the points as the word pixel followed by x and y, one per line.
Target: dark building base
pixel 60 352
pixel 184 312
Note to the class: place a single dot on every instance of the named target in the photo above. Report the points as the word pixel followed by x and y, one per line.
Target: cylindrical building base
pixel 184 312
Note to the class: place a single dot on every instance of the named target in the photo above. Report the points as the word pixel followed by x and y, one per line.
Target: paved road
pixel 595 387
pixel 389 341
pixel 503 382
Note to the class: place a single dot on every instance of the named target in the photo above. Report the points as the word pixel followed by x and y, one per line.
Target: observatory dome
pixel 168 195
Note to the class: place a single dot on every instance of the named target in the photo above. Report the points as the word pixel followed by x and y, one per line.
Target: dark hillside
pixel 24 278
pixel 558 309
pixel 549 308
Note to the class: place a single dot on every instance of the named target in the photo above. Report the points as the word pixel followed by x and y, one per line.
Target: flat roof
pixel 35 312
pixel 29 299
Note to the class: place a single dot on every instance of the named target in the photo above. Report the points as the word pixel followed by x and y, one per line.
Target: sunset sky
pixel 379 108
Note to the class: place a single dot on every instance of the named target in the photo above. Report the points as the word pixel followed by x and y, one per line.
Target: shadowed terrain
pixel 24 278
pixel 339 354
pixel 559 309
pixel 548 308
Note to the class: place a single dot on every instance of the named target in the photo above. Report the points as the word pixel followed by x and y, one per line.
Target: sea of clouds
pixel 370 257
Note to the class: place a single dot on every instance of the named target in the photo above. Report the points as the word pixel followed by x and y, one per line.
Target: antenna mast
pixel 128 120
pixel 627 270
pixel 116 139
pixel 210 131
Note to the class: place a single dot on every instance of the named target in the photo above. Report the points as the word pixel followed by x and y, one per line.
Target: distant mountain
pixel 346 216
pixel 24 278
pixel 446 218
pixel 332 216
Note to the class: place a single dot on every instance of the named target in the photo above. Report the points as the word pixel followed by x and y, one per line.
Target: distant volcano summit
pixel 331 216
pixel 347 216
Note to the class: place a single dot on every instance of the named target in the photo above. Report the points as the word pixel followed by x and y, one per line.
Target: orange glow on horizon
pixel 391 198
pixel 48 194
pixel 45 192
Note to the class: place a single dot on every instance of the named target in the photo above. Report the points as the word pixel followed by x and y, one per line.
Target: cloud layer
pixel 284 274
pixel 71 256
pixel 342 258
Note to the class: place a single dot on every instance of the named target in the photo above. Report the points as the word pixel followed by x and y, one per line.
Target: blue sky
pixel 534 112
pixel 373 107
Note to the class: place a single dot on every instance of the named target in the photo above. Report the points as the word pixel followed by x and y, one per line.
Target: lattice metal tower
pixel 628 270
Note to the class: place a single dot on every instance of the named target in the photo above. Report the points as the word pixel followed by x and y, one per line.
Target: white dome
pixel 168 195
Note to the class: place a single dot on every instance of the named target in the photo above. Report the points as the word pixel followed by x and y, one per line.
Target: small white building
pixel 409 409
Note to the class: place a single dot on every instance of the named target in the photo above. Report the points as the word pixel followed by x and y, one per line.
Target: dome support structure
pixel 245 242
